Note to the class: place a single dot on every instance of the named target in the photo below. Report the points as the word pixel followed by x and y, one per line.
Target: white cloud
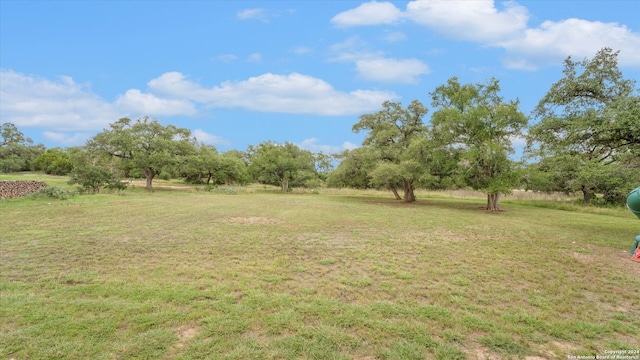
pixel 134 101
pixel 482 22
pixel 312 144
pixel 351 49
pixel 518 141
pixel 255 13
pixel 395 36
pixel 554 41
pixel 67 111
pixel 371 13
pixel 297 94
pixel 255 58
pixel 392 70
pixel 374 66
pixel 204 137
pixel 347 145
pixel 29 101
pixel 294 93
pixel 66 138
pixel 175 85
pixel 476 20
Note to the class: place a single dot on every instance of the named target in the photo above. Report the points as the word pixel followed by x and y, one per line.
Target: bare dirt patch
pixel 186 333
pixel 558 348
pixel 624 260
pixel 583 258
pixel 613 257
pixel 483 354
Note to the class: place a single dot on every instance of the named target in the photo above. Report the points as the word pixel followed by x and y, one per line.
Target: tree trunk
pixel 149 175
pixel 395 193
pixel 409 196
pixel 586 195
pixel 493 202
pixel 285 184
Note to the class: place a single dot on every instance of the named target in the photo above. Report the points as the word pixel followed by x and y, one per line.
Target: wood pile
pixel 17 188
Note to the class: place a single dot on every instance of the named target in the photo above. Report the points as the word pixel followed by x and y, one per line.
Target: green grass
pixel 51 180
pixel 340 275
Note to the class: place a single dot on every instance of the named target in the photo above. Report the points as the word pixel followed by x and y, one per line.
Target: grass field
pixel 336 275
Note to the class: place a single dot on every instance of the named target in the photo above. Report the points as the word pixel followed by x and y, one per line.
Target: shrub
pixel 313 183
pixel 54 161
pixel 164 176
pixel 92 178
pixel 51 192
pixel 223 190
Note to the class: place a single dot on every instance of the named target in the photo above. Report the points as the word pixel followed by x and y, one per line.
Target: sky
pixel 238 73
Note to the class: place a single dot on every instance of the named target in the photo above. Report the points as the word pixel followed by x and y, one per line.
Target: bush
pixel 313 183
pixel 92 178
pixel 226 190
pixel 54 161
pixel 164 176
pixel 51 192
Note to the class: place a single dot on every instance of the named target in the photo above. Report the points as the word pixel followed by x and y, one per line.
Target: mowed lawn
pixel 263 275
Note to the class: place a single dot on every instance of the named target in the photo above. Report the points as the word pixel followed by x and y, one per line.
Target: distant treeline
pixel 583 136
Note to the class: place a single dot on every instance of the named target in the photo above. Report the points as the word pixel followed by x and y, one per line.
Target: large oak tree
pixel 475 120
pixel 145 144
pixel 279 164
pixel 590 118
pixel 391 131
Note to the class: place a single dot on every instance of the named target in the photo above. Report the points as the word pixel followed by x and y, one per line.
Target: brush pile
pixel 17 188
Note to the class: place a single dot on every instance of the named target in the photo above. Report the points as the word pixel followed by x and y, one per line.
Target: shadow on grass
pixel 468 205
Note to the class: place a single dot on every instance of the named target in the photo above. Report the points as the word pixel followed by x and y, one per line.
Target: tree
pixel 391 131
pixel 591 118
pixel 54 161
pixel 145 144
pixel 389 176
pixel 323 164
pixel 279 164
pixel 439 160
pixel 9 135
pixel 201 166
pixel 477 121
pixel 207 166
pixel 354 169
pixel 91 178
pixel 17 151
pixel 233 170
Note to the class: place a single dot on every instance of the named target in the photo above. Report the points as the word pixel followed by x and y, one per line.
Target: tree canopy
pixel 475 119
pixel 590 117
pixel 206 165
pixel 144 144
pixel 17 152
pixel 279 164
pixel 391 132
pixel 354 169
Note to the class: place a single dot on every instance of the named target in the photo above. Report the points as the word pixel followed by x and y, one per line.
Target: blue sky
pixel 238 73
